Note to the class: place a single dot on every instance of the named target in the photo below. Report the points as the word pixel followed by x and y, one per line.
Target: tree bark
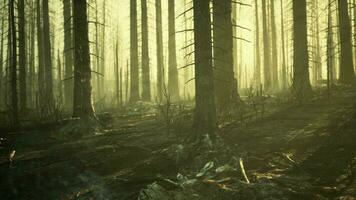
pixel 82 105
pixel 274 64
pixel 47 56
pixel 13 63
pixel 266 51
pixel 2 77
pixel 146 85
pixel 68 53
pixel 134 82
pixel 284 70
pixel 205 113
pixel 223 57
pixel 257 48
pixel 347 73
pixel 159 40
pixel 40 73
pixel 22 55
pixel 173 87
pixel 301 81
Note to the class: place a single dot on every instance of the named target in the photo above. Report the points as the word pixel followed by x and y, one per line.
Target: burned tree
pixel 347 74
pixel 146 85
pixel 159 40
pixel 22 55
pixel 82 104
pixel 134 82
pixel 266 50
pixel 301 83
pixel 173 88
pixel 274 63
pixel 226 91
pixel 68 53
pixel 205 113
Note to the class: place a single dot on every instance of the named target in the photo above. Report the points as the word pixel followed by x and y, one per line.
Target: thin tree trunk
pixel 330 47
pixel 146 85
pixel 257 47
pixel 159 40
pixel 68 53
pixel 347 74
pixel 82 105
pixel 47 56
pixel 59 77
pixel 134 82
pixel 103 60
pixel 127 82
pixel 205 113
pixel 274 64
pixel 40 73
pixel 173 87
pixel 301 82
pixel 266 46
pixel 22 55
pixel 284 70
pixel 2 77
pixel 13 63
pixel 116 61
pixel 31 62
pixel 318 47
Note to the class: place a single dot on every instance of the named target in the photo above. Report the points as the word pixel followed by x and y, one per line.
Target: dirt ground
pixel 294 152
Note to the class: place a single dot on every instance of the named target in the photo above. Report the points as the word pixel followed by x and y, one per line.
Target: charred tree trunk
pixel 68 53
pixel 146 86
pixel 257 48
pixel 47 56
pixel 284 65
pixel 22 55
pixel 40 73
pixel 266 51
pixel 330 48
pixel 223 58
pixel 347 74
pixel 82 105
pixel 134 82
pixel 159 40
pixel 103 60
pixel 173 88
pixel 31 79
pixel 301 82
pixel 13 63
pixel 2 77
pixel 274 64
pixel 205 113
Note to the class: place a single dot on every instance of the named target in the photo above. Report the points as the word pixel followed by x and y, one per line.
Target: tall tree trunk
pixel 22 55
pixel 257 48
pixel 146 86
pixel 40 73
pixel 301 82
pixel 347 74
pixel 284 70
pixel 68 53
pixel 47 56
pixel 274 64
pixel 205 113
pixel 330 49
pixel 266 51
pixel 134 82
pixel 317 50
pixel 116 63
pixel 2 77
pixel 13 63
pixel 173 87
pixel 103 60
pixel 354 5
pixel 223 58
pixel 31 79
pixel 235 46
pixel 82 105
pixel 159 40
pixel 97 52
pixel 59 77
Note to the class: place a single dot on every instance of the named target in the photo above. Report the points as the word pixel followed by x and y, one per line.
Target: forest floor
pixel 295 151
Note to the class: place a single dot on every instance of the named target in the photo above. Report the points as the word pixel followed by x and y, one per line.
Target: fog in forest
pixel 177 99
